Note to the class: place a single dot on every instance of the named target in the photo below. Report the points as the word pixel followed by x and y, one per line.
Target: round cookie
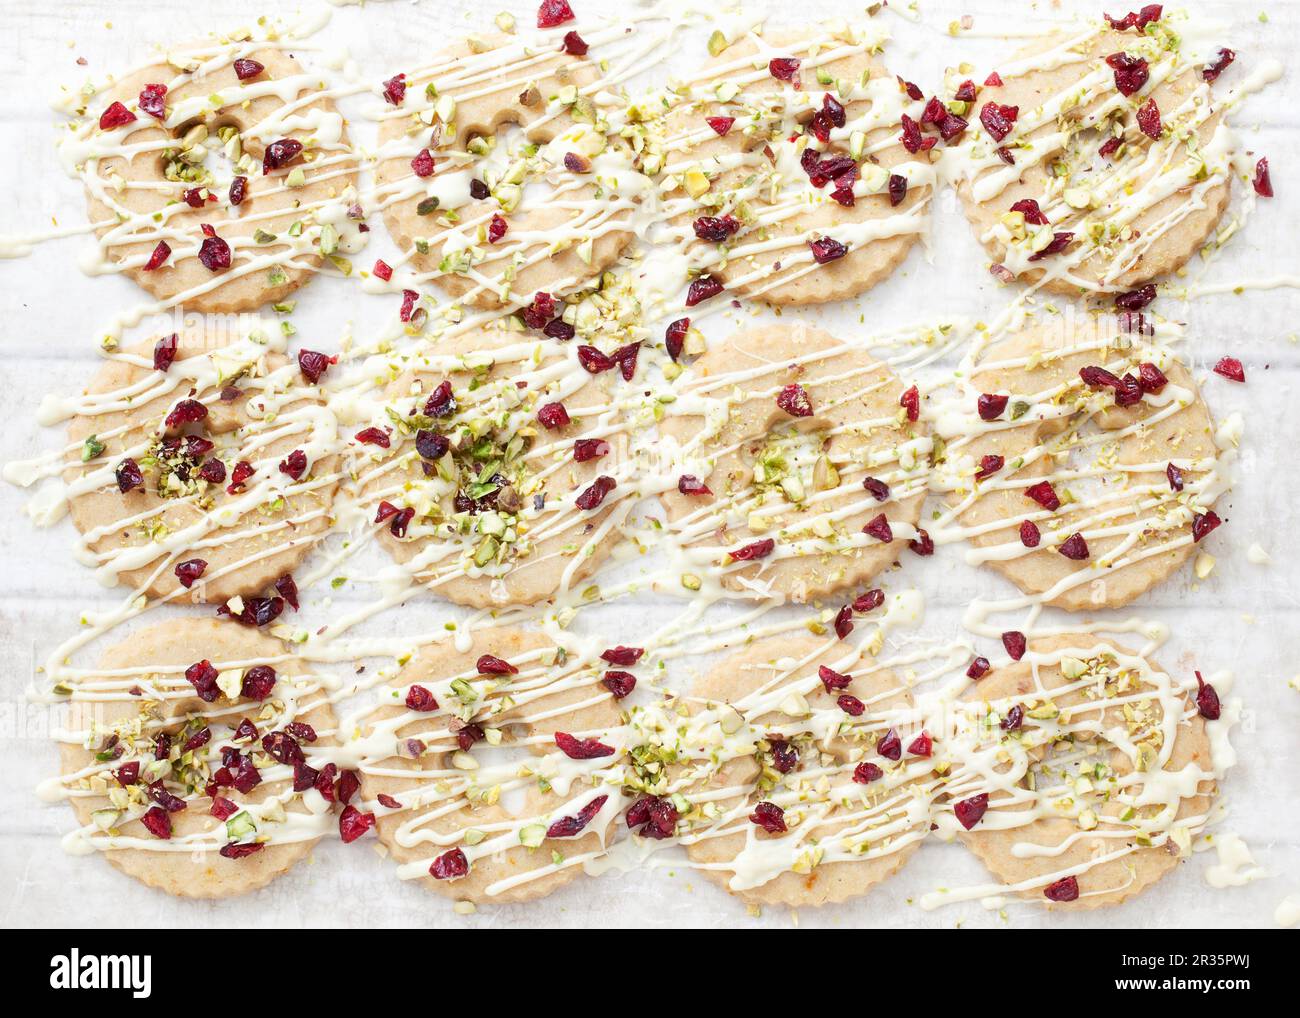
pixel 1136 529
pixel 491 217
pixel 181 507
pixel 520 538
pixel 109 716
pixel 151 180
pixel 1083 810
pixel 823 859
pixel 1136 208
pixel 811 499
pixel 800 161
pixel 445 797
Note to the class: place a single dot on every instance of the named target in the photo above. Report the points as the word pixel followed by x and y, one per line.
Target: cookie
pixel 221 206
pixel 158 480
pixel 474 820
pixel 497 442
pixel 492 216
pixel 187 785
pixel 1085 503
pixel 1103 777
pixel 814 474
pixel 791 185
pixel 852 816
pixel 1110 172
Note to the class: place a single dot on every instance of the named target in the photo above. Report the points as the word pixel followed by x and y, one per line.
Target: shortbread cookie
pixel 453 807
pixel 814 473
pixel 791 183
pixel 851 813
pixel 224 189
pixel 499 442
pixel 1097 769
pixel 1085 503
pixel 191 743
pixel 493 216
pixel 159 482
pixel 1111 170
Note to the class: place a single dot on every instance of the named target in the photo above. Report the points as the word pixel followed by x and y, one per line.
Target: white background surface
pixel 1244 617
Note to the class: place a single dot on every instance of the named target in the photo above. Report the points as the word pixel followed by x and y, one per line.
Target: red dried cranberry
pixel 553 415
pixel 595 493
pixel 715 229
pixel 353 824
pixel 451 865
pixel 890 746
pixel 398 525
pixel 116 115
pixel 128 475
pixel 1231 369
pixel 1066 889
pixel 770 817
pixel 187 411
pixel 1136 300
pixel 844 622
pixel 222 809
pixel 1204 524
pixel 865 773
pixel 675 337
pixel 282 747
pixel 159 794
pixel 990 406
pixel 1045 495
pixel 214 253
pixel 922 544
pixel 574 45
pixel 897 189
pixel 978 668
pixel 153 99
pixel 395 89
pixel 194 197
pixel 793 399
pixel 1138 20
pixel 1060 241
pixel 1212 71
pixel 1175 477
pixel 234 850
pixel 1151 378
pixel 965 92
pixel 720 125
pixel 373 436
pixel 409 297
pixel 586 449
pixel 540 311
pixel 383 270
pixel 301 730
pixel 1263 181
pixel 245 69
pixel 785 757
pixel 497 228
pixel 489 664
pixel 994 80
pixel 1074 547
pixel 1148 118
pixel 619 683
pixel 128 773
pixel 422 164
pixel 910 401
pixel 783 68
pixel 989 465
pixel 1131 73
pixel 442 401
pixel 467 735
pixel 851 705
pixel 922 745
pixel 623 656
pixel 420 699
pixel 827 249
pixel 593 361
pixel 238 190
pixel 203 677
pixel 879 528
pixel 280 153
pixel 952 126
pixel 878 488
pixel 702 289
pixel 869 601
pixel 348 786
pixel 157 822
pixel 213 471
pixel 560 329
pixel 689 484
pixel 1015 644
pixel 581 749
pixel 1014 719
pixel 970 811
pixel 295 464
pixel 1028 207
pixel 625 357
pixel 242 472
pixel 257 682
pixel 1029 534
pixel 189 571
pixel 753 550
pixel 159 255
pixel 1207 700
pixel 431 445
pixel 912 138
pixel 833 680
pixel 998 120
pixel 553 12
pixel 568 827
pixel 1109 148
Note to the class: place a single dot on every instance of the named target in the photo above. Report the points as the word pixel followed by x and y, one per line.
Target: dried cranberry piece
pixel 998 120
pixel 242 472
pixel 282 747
pixel 869 601
pixel 785 757
pixel 878 488
pixel 833 680
pixel 234 850
pixel 1060 241
pixel 203 677
pixel 159 794
pixel 897 188
pixel 406 311
pixel 420 699
pixel 689 484
pixel 989 465
pixel 720 125
pixel 1204 524
pixel 581 749
pixel 1138 20
pixel 116 115
pixel 128 773
pixel 1028 207
pixel 401 521
pixel 214 253
pixel 1207 700
pixel 994 80
pixel 827 249
pixel 978 668
pixel 783 68
pixel 619 683
pixel 1212 71
pixel 159 255
pixel 625 357
pixel 656 817
pixel 675 337
pixel 238 190
pixel 1131 73
pixel 196 741
pixel 922 745
pixel 769 816
pixel 295 464
pixel 1175 477
pixel 353 824
pixel 1148 119
pixel 467 735
pixel 851 705
pixel 1151 378
pixel 593 361
pixel 1074 547
pixel 702 289
pixel 912 138
pixel 153 99
pixel 568 827
pixel 540 311
pixel 715 229
pixel 187 411
pixel 990 406
pixel 970 811
pixel 441 402
pixel 257 682
pixel 793 399
pixel 910 401
pixel 194 197
pixel 890 746
pixel 560 329
pixel 1066 889
pixel 574 45
pixel 865 773
pixel 1263 181
pixel 595 493
pixel 395 89
pixel 844 622
pixel 553 12
pixel 489 664
pixel 497 228
pixel 373 436
pixel 280 153
pixel 934 111
pixel 245 69
pixel 325 782
pixel 222 809
pixel 157 822
pixel 922 544
pixel 1136 300
pixel 245 730
pixel 879 528
pixel 189 571
pixel 753 550
pixel 623 656
pixel 1015 644
pixel 348 786
pixel 952 126
pixel 382 270
pixel 1231 369
pixel 1029 534
pixel 553 415
pixel 1045 495
pixel 431 445
pixel 1014 719
pixel 1109 148
pixel 452 865
pixel 129 475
